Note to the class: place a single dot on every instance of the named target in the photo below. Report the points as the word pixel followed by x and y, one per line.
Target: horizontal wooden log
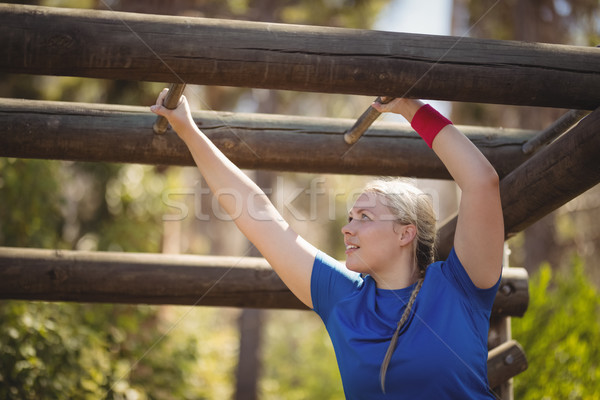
pixel 513 294
pixel 116 45
pixel 550 178
pixel 136 278
pixel 499 333
pixel 505 362
pixel 93 132
pixel 90 277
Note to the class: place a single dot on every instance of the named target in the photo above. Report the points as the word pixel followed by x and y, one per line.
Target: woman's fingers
pixel 161 97
pixel 381 107
pixel 378 106
pixel 182 99
pixel 387 107
pixel 158 108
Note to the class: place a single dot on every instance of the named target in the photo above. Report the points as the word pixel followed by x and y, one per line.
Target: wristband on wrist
pixel 428 123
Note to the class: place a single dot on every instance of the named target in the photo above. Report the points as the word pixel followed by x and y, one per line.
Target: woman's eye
pixel 363 216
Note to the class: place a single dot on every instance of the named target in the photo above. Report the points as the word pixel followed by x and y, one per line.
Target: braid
pixel 409 206
pixel 394 341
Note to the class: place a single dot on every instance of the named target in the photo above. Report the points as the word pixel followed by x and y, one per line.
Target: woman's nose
pixel 346 229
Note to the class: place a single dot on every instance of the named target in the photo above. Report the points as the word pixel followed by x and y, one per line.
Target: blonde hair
pixel 409 206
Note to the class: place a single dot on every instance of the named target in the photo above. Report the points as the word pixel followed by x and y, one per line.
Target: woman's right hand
pixel 180 118
pixel 403 106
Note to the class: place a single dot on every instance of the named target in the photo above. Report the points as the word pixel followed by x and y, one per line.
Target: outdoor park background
pixel 80 351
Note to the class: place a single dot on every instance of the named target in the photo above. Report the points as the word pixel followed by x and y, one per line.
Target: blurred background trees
pixel 65 350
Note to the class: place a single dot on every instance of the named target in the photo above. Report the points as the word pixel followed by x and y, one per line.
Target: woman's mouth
pixel 350 248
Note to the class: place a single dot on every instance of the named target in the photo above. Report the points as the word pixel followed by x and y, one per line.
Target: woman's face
pixel 370 238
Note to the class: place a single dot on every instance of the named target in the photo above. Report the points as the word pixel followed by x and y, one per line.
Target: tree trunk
pixel 250 360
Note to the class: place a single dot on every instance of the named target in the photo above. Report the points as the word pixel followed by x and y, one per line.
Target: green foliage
pixel 30 212
pixel 79 351
pixel 560 333
pixel 299 363
pixel 46 350
pixel 345 13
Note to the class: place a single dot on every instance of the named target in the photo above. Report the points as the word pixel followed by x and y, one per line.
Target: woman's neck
pixel 400 275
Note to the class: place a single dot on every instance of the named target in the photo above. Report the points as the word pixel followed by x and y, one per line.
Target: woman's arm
pixel 254 214
pixel 479 237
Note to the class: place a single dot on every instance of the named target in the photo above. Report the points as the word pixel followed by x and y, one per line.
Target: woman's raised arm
pixel 254 214
pixel 479 237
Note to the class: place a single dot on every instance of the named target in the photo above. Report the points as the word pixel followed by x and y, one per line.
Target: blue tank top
pixel 442 348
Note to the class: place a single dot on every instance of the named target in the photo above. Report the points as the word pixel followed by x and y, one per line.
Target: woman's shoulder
pixel 331 281
pixel 325 263
pixel 452 272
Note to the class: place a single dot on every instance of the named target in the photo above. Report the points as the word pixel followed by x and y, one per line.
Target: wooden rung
pixel 512 298
pixel 143 278
pixel 505 362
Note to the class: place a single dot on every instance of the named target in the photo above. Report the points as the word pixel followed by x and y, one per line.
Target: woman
pixel 410 329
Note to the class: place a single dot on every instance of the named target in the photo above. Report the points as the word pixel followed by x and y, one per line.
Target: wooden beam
pixel 505 362
pixel 512 298
pixel 54 275
pixel 93 132
pixel 557 128
pixel 553 176
pixel 116 45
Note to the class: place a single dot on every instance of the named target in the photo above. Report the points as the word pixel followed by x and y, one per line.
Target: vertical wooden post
pixel 500 332
pixel 251 324
pixel 249 361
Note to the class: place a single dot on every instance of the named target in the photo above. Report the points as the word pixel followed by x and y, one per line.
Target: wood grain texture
pixel 505 361
pixel 109 277
pixel 116 45
pixel 95 132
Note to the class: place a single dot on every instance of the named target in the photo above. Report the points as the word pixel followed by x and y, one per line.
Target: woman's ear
pixel 407 234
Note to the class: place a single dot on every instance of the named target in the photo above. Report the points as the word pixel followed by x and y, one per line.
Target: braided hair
pixel 410 206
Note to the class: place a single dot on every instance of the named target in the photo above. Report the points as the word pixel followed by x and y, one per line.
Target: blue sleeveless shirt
pixel 442 348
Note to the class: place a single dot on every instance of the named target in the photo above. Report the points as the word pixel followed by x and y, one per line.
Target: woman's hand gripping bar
pixel 364 121
pixel 171 102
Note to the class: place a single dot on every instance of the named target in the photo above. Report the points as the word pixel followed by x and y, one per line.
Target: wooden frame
pixel 111 45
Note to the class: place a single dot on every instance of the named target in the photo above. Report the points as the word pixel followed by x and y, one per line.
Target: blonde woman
pixel 402 326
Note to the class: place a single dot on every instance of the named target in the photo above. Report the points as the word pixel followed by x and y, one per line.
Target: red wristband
pixel 428 123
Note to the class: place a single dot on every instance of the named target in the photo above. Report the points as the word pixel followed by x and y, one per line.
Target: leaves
pixel 560 334
pixel 299 363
